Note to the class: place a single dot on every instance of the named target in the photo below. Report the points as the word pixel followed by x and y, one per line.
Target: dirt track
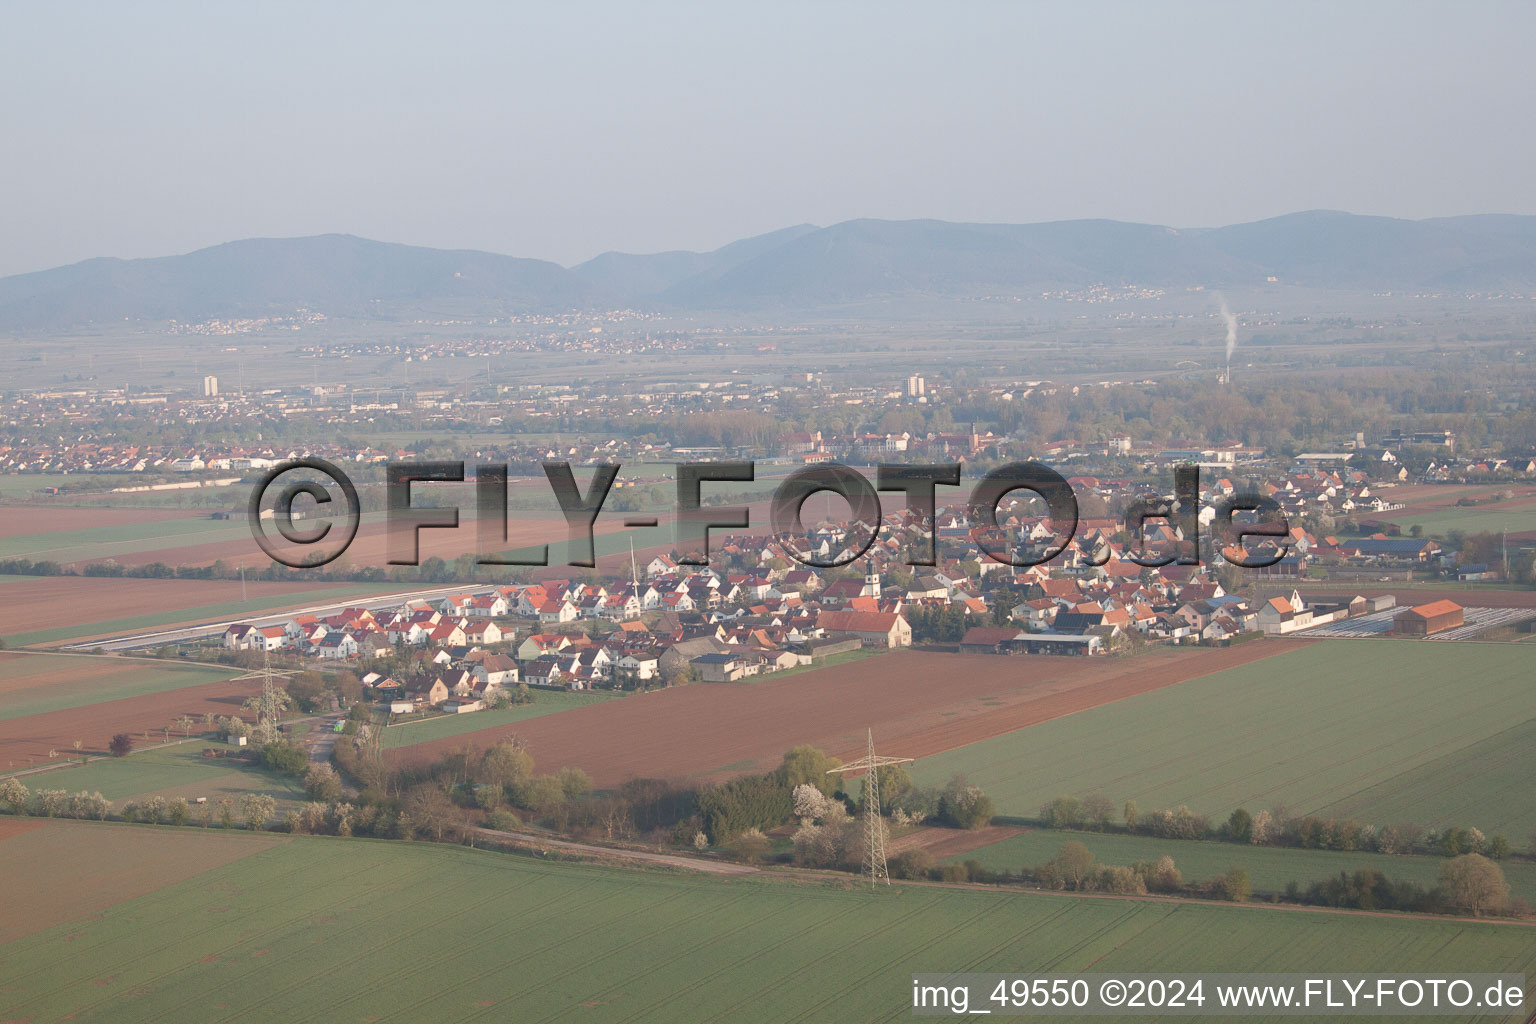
pixel 918 703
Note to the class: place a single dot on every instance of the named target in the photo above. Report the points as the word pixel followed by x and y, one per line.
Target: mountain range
pixel 798 268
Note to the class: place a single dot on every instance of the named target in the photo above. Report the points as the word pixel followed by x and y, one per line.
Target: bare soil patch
pixel 951 842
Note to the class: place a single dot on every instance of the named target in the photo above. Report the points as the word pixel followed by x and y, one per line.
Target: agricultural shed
pixel 1427 619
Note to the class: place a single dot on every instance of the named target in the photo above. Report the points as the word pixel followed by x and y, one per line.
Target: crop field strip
pixel 27 741
pixel 408 730
pixel 32 684
pixel 923 700
pixel 1270 867
pixel 51 609
pixel 72 869
pixel 1317 728
pixel 99 543
pixel 1498 769
pixel 322 929
pixel 178 770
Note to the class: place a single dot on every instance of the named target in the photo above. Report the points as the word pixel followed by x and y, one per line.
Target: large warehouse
pixel 1435 617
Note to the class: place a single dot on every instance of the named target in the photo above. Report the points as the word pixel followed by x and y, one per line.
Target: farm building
pixel 874 629
pixel 1279 615
pixel 988 640
pixel 815 648
pixel 723 668
pixel 1426 619
pixel 1080 644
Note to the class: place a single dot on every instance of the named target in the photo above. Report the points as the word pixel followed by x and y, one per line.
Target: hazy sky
pixel 565 129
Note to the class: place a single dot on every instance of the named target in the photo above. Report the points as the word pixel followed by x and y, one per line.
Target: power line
pixel 874 824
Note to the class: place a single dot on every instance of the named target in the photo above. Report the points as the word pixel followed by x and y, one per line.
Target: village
pixel 764 611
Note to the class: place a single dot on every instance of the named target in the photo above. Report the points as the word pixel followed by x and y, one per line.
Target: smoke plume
pixel 1231 322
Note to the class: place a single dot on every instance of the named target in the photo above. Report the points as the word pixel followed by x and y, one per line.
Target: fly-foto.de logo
pixel 325 534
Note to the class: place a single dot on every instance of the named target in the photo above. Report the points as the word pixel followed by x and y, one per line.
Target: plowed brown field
pixel 21 520
pixel 50 602
pixel 27 740
pixel 917 702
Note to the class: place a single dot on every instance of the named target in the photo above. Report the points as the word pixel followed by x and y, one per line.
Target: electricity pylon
pixel 269 712
pixel 874 826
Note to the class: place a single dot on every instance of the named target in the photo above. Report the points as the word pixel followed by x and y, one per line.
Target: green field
pixel 180 770
pixel 102 542
pixel 1513 517
pixel 323 929
pixel 133 678
pixel 1270 867
pixel 408 729
pixel 1437 734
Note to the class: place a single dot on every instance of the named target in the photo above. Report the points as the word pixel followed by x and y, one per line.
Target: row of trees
pixel 52 803
pixel 1469 883
pixel 1275 827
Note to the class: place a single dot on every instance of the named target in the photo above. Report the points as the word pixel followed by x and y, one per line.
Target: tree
pixel 1240 826
pixel 121 745
pixel 1475 883
pixel 811 804
pixel 1236 885
pixel 322 784
pixel 1098 809
pixel 256 809
pixel 895 783
pixel 1130 815
pixel 285 757
pixel 1074 863
pixel 506 764
pixel 809 765
pixel 574 783
pixel 312 817
pixel 964 805
pixel 89 805
pixel 14 794
pixel 1063 812
pixel 430 810
pixel 307 690
pixel 914 863
pixel 1262 829
pixel 542 794
pixel 750 845
pixel 1165 876
pixel 185 724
